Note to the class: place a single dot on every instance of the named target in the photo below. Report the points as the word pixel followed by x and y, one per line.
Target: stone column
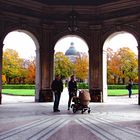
pixel 37 90
pixel 139 74
pixel 46 66
pixel 1 49
pixel 95 66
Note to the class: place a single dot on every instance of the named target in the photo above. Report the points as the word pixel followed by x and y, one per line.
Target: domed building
pixel 72 53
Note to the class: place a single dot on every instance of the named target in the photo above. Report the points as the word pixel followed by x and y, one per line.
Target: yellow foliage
pixel 3 79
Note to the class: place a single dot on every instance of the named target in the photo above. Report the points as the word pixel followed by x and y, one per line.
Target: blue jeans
pixel 57 96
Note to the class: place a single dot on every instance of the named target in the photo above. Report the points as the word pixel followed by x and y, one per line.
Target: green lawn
pixel 18 92
pixel 31 92
pixel 120 92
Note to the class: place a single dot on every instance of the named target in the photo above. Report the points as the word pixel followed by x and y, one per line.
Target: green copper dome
pixel 71 50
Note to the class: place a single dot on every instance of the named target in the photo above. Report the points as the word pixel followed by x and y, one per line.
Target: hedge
pixel 135 86
pixel 80 86
pixel 18 86
pixel 85 86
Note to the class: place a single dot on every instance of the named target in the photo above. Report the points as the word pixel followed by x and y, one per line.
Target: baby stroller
pixel 81 102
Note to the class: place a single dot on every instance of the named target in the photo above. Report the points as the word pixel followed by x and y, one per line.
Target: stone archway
pixel 104 64
pixel 80 46
pixel 37 77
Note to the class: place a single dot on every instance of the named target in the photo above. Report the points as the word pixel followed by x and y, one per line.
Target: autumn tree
pixel 11 65
pixel 63 65
pixel 129 63
pixel 81 67
pixel 3 79
pixel 113 68
pixel 110 76
pixel 16 69
pixel 123 65
pixel 31 71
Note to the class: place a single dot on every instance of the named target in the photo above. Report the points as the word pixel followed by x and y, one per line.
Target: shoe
pixel 57 110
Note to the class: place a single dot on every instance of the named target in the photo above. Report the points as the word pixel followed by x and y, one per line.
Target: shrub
pixel 82 86
pixel 135 86
pixel 18 86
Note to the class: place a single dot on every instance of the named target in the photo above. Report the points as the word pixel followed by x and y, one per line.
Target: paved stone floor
pixel 22 119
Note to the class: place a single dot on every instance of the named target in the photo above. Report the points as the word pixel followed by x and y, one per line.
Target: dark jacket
pixel 130 86
pixel 72 86
pixel 57 85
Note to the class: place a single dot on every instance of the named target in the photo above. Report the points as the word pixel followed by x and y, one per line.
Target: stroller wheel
pixel 82 111
pixel 74 110
pixel 89 111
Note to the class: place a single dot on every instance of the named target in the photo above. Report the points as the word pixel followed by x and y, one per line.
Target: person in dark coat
pixel 57 88
pixel 72 88
pixel 129 87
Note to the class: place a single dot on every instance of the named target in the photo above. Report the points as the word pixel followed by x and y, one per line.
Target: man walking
pixel 57 88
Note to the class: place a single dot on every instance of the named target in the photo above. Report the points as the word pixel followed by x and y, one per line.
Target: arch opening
pixel 25 47
pixel 117 42
pixel 74 49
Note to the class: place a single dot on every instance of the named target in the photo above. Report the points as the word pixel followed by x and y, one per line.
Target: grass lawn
pixel 120 92
pixel 19 92
pixel 31 92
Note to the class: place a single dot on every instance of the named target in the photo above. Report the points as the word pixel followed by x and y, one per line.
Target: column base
pixel 139 99
pixel 96 95
pixel 45 95
pixel 0 98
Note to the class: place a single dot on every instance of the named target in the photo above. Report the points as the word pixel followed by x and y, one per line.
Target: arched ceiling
pixel 57 11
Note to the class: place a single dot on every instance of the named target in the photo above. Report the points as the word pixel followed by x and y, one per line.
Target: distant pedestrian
pixel 129 87
pixel 57 88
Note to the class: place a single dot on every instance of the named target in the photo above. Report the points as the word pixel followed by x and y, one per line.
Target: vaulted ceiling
pixel 58 10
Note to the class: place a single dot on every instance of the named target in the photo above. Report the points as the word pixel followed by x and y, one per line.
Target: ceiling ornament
pixel 73 21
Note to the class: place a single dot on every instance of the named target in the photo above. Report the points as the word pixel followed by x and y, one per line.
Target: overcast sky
pixel 20 42
pixel 124 40
pixel 64 44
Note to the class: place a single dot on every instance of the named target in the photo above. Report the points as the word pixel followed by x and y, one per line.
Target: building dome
pixel 71 50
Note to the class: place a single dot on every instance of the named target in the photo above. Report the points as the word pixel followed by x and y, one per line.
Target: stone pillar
pixel 46 66
pixel 37 90
pixel 139 74
pixel 1 49
pixel 95 67
pixel 46 94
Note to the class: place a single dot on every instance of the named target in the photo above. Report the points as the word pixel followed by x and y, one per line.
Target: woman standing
pixel 72 88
